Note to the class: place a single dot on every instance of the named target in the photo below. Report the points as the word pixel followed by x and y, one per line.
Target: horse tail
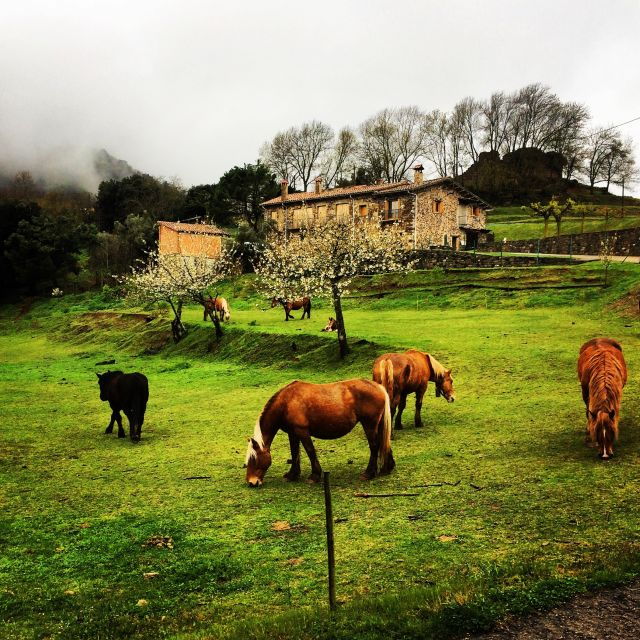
pixel 385 375
pixel 385 425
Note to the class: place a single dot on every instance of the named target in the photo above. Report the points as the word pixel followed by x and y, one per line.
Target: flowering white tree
pixel 177 279
pixel 323 261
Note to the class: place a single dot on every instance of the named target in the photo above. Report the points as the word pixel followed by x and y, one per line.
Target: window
pixel 437 206
pixel 363 210
pixel 392 210
pixel 278 219
pixel 307 217
pixel 297 218
pixel 321 213
pixel 446 240
pixel 343 213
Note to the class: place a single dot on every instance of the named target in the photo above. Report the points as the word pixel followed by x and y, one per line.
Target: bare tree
pixel 437 141
pixel 392 141
pixel 341 158
pixel 277 155
pixel 468 114
pixel 496 113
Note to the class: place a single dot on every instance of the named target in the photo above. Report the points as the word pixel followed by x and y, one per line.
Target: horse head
pixel 103 381
pixel 257 462
pixel 275 302
pixel 603 430
pixel 444 386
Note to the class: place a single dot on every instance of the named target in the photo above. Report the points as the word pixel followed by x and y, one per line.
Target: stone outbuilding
pixel 192 240
pixel 437 212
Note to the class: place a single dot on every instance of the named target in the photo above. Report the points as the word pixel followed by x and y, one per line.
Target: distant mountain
pixel 68 168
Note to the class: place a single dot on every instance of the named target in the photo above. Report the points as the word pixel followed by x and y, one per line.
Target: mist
pixel 189 90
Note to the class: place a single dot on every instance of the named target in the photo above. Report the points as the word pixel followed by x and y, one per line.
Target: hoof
pixel 314 478
pixel 291 477
pixel 121 435
pixel 367 475
pixel 388 468
pixel 419 425
pixel 398 426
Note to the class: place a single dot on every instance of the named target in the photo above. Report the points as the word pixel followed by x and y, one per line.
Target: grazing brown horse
pixel 220 305
pixel 327 411
pixel 412 372
pixel 603 373
pixel 293 305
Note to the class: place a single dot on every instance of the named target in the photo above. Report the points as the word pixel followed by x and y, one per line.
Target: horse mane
pixel 606 377
pixel 257 429
pixel 438 370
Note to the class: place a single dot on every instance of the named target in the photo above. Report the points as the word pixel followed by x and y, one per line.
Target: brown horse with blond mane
pixel 412 372
pixel 218 304
pixel 603 373
pixel 326 411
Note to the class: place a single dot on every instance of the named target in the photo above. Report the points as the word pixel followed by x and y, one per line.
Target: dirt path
pixel 611 614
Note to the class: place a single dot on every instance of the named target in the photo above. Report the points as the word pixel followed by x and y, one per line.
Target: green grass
pixel 77 506
pixel 514 223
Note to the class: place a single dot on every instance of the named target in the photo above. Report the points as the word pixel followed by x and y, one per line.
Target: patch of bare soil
pixel 611 614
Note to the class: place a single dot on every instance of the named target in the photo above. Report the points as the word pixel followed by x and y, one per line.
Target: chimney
pixel 380 181
pixel 318 182
pixel 284 189
pixel 417 174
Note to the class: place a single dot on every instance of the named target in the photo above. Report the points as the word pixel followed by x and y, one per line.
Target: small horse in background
pixel 293 305
pixel 411 372
pixel 327 411
pixel 332 325
pixel 602 372
pixel 218 304
pixel 127 392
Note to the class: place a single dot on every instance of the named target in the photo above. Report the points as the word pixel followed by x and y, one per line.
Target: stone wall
pixel 625 241
pixel 464 260
pixel 188 244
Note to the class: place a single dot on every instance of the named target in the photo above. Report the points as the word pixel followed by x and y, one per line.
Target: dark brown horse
pixel 602 372
pixel 127 392
pixel 327 411
pixel 218 304
pixel 412 372
pixel 293 305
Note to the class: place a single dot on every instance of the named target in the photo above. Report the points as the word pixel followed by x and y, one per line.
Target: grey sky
pixel 190 88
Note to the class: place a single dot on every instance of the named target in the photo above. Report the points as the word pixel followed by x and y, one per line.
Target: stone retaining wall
pixel 461 260
pixel 625 241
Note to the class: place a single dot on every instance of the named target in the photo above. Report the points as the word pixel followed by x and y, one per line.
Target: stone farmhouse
pixel 203 240
pixel 437 212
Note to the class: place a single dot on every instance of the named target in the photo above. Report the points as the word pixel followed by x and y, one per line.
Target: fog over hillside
pixel 67 167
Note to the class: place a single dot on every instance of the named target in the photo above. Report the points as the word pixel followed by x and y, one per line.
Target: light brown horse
pixel 412 372
pixel 602 372
pixel 327 411
pixel 220 305
pixel 332 325
pixel 293 305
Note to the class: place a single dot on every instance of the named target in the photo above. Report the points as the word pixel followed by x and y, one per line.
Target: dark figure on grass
pixel 128 392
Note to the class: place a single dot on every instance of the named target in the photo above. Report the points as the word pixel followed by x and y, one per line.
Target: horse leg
pixel 294 444
pixel 373 438
pixel 121 433
pixel 133 425
pixel 109 429
pixel 402 403
pixel 316 469
pixel 419 395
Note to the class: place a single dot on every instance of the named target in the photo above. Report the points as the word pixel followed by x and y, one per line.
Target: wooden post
pixel 331 559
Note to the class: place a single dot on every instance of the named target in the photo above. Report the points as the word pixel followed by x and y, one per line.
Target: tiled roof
pixel 377 190
pixel 197 229
pixel 465 193
pixel 309 196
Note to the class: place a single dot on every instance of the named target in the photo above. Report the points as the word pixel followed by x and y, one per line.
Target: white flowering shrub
pixel 323 261
pixel 56 292
pixel 177 279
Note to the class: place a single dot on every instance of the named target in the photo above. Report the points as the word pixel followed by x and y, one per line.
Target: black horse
pixel 128 392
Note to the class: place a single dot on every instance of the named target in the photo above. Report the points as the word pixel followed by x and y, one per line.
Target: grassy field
pixel 530 515
pixel 514 223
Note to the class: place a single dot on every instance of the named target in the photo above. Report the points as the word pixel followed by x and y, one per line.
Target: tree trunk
pixel 178 330
pixel 342 334
pixel 213 314
pixel 558 226
pixel 546 226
